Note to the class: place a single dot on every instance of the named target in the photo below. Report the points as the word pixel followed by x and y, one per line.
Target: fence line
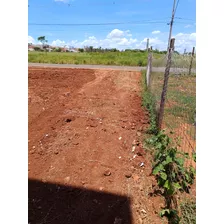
pixel 175 103
pixel 179 102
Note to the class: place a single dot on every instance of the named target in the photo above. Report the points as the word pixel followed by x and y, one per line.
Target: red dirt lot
pixel 85 150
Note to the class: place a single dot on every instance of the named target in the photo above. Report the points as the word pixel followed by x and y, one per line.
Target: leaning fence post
pixel 192 57
pixel 166 78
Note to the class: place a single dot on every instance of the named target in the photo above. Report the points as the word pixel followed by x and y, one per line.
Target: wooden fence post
pixel 150 60
pixel 149 68
pixel 192 57
pixel 166 78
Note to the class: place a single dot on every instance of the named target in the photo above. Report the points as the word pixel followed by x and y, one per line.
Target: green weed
pixel 149 102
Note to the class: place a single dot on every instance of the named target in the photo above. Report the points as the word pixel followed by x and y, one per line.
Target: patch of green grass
pixel 96 58
pixel 185 105
pixel 188 212
pixel 181 97
pixel 168 162
pixel 149 102
pixel 183 61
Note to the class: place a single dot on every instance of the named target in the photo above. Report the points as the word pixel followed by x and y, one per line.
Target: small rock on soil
pixel 107 172
pixel 128 175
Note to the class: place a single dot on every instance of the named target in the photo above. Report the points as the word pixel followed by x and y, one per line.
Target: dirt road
pixel 86 160
pixel 106 67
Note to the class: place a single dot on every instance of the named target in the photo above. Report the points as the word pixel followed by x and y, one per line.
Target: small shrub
pixel 110 62
pixel 149 102
pixel 57 50
pixel 140 63
pixel 171 174
pixel 36 48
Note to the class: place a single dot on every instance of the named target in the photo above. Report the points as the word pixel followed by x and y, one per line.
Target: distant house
pixel 63 49
pixel 49 49
pixel 30 47
pixel 75 50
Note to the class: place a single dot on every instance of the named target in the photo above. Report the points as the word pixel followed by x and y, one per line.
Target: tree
pixel 57 49
pixel 36 48
pixel 42 39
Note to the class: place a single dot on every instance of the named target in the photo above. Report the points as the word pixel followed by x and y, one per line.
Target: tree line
pixel 45 47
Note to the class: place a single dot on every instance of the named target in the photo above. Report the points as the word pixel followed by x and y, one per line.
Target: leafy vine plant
pixel 171 174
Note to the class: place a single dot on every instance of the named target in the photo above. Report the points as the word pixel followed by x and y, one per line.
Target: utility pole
pixel 147 45
pixel 165 84
pixel 171 25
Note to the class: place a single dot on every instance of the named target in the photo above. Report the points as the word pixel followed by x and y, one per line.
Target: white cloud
pixel 188 26
pixel 126 42
pixel 72 43
pixel 116 33
pixel 128 33
pixel 154 42
pixel 91 41
pixel 123 40
pixel 58 43
pixel 193 36
pixel 31 40
pixel 156 32
pixel 185 41
pixel 119 43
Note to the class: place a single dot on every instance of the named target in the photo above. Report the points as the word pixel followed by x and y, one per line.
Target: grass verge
pixel 149 102
pixel 105 58
pixel 168 163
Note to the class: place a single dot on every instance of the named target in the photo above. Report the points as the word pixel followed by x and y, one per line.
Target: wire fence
pixel 180 62
pixel 173 94
pixel 179 118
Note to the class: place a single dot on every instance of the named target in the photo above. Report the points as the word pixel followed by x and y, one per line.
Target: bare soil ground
pixel 86 161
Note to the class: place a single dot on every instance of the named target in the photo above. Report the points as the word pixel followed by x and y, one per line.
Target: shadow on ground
pixel 53 204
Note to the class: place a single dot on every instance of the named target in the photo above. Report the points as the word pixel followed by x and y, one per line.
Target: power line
pixel 184 19
pixel 94 24
pixel 171 25
pixel 175 5
pixel 106 28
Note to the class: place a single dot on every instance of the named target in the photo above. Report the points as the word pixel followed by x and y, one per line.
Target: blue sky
pixel 151 16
